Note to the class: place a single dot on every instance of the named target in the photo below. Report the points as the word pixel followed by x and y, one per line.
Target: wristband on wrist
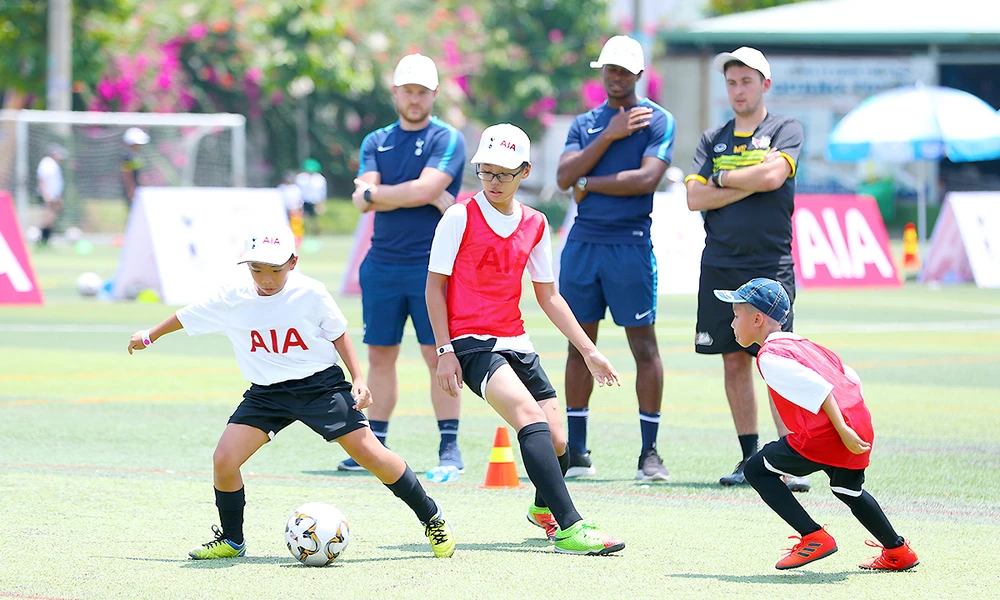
pixel 445 349
pixel 145 338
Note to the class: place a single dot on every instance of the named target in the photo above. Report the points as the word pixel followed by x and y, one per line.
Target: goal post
pixel 185 149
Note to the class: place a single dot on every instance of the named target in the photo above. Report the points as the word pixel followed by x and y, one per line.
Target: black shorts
pixel 780 458
pixel 322 401
pixel 714 331
pixel 478 365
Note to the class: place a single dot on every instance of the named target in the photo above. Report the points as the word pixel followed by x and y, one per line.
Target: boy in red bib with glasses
pixel 481 249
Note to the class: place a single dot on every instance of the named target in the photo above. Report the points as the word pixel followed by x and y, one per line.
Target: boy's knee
pixel 754 469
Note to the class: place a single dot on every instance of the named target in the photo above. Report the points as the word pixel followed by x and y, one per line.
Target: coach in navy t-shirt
pixel 615 157
pixel 409 175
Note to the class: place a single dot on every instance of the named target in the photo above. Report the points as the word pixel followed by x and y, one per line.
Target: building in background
pixel 827 57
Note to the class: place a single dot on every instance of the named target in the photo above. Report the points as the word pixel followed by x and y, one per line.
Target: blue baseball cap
pixel 766 295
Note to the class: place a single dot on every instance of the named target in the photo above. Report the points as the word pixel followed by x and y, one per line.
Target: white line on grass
pixel 809 327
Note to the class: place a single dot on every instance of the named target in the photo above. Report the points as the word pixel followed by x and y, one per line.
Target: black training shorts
pixel 714 331
pixel 322 401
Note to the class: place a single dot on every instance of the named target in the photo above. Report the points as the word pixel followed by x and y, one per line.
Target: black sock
pixel 230 505
pixel 542 466
pixel 776 494
pixel 563 466
pixel 576 426
pixel 46 232
pixel 748 444
pixel 870 514
pixel 408 489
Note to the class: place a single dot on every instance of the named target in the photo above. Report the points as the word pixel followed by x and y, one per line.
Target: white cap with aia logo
pixel 504 145
pixel 272 246
pixel 418 69
pixel 623 51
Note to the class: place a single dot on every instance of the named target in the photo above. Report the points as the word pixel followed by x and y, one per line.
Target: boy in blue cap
pixel 819 398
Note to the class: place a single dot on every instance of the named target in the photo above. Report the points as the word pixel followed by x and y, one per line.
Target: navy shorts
pixel 622 277
pixel 390 294
pixel 322 401
pixel 714 331
pixel 781 459
pixel 479 364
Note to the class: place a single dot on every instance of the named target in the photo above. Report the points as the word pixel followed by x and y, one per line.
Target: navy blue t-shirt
pixel 403 236
pixel 605 219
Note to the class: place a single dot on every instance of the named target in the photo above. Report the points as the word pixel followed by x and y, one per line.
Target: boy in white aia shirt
pixel 288 335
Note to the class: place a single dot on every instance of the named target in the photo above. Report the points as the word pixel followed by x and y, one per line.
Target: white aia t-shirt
pixel 276 338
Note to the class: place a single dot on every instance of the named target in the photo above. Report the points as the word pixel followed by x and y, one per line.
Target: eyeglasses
pixel 501 177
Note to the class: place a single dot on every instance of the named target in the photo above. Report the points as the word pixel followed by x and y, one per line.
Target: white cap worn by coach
pixel 271 247
pixel 751 57
pixel 503 145
pixel 623 51
pixel 135 137
pixel 418 69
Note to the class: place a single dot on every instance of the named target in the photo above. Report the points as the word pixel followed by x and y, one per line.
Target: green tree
pixel 534 59
pixel 24 36
pixel 728 7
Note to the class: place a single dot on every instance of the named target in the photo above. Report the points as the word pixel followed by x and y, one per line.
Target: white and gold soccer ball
pixel 316 534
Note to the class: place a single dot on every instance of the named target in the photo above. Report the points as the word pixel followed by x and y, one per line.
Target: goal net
pixel 205 150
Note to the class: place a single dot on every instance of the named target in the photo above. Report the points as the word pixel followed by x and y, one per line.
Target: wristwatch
pixel 445 349
pixel 581 184
pixel 717 179
pixel 368 195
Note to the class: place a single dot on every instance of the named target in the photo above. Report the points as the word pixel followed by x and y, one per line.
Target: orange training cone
pixel 911 248
pixel 501 472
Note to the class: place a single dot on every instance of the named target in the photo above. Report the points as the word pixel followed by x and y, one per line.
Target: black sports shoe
pixel 651 467
pixel 579 465
pixel 734 478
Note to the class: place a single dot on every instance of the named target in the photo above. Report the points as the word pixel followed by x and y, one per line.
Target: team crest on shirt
pixel 763 141
pixel 420 147
pixel 719 148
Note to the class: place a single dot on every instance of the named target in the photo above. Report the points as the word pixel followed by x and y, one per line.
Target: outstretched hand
pixel 135 342
pixel 602 370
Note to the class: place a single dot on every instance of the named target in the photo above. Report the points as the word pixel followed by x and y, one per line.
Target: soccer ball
pixel 88 284
pixel 316 534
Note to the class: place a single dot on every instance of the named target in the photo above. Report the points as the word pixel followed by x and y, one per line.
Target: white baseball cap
pixel 751 57
pixel 271 246
pixel 623 51
pixel 504 145
pixel 134 135
pixel 418 69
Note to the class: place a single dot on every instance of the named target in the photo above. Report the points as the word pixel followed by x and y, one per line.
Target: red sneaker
pixel 814 546
pixel 891 559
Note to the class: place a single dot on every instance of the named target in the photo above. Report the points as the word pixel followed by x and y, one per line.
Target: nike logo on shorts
pixel 640 316
pixel 592 131
pixel 384 148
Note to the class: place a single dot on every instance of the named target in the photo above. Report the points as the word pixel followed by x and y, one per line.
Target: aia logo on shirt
pixel 502 261
pixel 292 339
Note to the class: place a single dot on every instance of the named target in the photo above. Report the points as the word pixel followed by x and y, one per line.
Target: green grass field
pixel 105 463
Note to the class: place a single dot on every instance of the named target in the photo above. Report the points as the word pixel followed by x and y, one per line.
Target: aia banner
pixel 841 241
pixel 17 279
